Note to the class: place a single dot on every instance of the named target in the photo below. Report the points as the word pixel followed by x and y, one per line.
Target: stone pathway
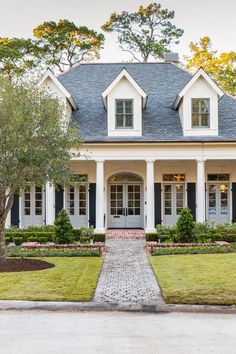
pixel 127 276
pixel 125 234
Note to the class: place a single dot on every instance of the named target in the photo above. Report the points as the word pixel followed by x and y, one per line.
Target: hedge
pixel 99 238
pixel 16 252
pixel 20 236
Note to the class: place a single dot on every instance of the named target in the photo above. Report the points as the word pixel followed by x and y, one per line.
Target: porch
pixel 134 194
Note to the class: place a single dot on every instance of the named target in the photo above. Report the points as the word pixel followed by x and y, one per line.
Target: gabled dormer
pixel 197 104
pixel 52 84
pixel 124 101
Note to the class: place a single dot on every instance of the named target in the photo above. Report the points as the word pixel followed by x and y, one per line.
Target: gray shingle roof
pixel 161 81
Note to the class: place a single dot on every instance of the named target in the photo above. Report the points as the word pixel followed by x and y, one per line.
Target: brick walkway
pixel 125 234
pixel 127 276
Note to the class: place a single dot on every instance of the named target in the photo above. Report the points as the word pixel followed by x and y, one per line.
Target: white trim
pixel 49 74
pixel 199 73
pixel 124 73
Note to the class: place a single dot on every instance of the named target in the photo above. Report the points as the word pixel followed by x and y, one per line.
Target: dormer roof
pixel 124 74
pixel 200 73
pixel 49 74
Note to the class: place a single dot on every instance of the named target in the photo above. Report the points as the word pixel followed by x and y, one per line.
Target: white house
pixel 156 139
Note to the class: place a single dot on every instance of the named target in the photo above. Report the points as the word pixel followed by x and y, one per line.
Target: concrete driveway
pixel 96 332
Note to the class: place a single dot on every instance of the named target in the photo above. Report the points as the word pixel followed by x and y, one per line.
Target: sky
pixel 198 18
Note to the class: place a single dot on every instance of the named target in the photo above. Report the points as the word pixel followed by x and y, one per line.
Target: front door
pixel 125 205
pixel 174 202
pixel 218 202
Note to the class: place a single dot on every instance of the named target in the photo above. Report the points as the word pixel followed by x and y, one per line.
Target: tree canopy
pixel 222 67
pixel 17 56
pixel 63 44
pixel 35 144
pixel 146 33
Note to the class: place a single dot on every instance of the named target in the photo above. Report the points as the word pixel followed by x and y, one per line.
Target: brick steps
pixel 125 234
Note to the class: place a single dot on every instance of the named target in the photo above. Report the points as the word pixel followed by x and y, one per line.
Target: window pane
pixel 128 107
pixel 204 120
pixel 119 121
pixel 129 121
pixel 119 106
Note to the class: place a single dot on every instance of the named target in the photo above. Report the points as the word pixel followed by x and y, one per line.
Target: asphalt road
pixel 95 332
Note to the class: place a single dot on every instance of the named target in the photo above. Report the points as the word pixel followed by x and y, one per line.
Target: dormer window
pixel 200 112
pixel 124 114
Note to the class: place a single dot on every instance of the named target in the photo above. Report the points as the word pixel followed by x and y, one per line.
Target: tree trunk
pixel 2 241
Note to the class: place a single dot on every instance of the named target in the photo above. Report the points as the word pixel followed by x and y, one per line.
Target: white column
pixel 200 192
pixel 150 227
pixel 8 220
pixel 100 197
pixel 49 203
pixel 20 211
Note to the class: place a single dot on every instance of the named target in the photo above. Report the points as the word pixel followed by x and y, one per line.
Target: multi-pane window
pixel 82 200
pixel 38 200
pixel 116 199
pixel 200 112
pixel 134 199
pixel 71 200
pixel 124 114
pixel 27 201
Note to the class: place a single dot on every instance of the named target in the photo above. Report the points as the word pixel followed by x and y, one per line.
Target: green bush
pixel 99 238
pixel 42 239
pixel 28 236
pixel 191 250
pixel 204 238
pixel 185 226
pixel 77 234
pixel 18 240
pixel 63 228
pixel 87 232
pixel 17 252
pixel 152 236
pixel 42 228
pixel 85 240
pixel 7 240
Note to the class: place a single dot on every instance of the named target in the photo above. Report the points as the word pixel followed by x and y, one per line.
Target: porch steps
pixel 125 234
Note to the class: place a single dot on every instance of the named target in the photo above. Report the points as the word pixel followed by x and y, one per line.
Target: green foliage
pixel 30 236
pixel 185 226
pixel 17 252
pixel 63 228
pixel 77 234
pixel 99 238
pixel 222 67
pixel 17 56
pixel 63 44
pixel 87 232
pixel 85 240
pixel 191 250
pixel 18 240
pixel 146 33
pixel 42 228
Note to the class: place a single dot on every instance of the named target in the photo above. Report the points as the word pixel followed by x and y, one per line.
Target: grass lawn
pixel 72 279
pixel 197 279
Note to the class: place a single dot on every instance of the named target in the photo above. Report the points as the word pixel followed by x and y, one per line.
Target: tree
pixel 63 44
pixel 185 226
pixel 17 56
pixel 63 228
pixel 35 144
pixel 221 67
pixel 146 33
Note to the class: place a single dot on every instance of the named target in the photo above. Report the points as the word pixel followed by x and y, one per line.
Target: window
pixel 82 200
pixel 200 112
pixel 38 200
pixel 124 114
pixel 71 200
pixel 173 177
pixel 27 201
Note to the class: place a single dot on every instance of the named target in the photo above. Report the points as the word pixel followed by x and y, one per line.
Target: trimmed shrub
pixel 87 232
pixel 8 240
pixel 18 240
pixel 42 228
pixel 85 240
pixel 42 239
pixel 77 234
pixel 63 228
pixel 99 238
pixel 152 236
pixel 29 235
pixel 185 226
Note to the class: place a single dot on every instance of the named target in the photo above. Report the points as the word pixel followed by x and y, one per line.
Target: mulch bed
pixel 24 265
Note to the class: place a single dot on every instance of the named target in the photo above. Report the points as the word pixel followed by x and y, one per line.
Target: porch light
pixel 223 188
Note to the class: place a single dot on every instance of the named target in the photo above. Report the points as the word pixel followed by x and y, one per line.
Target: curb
pixel 150 307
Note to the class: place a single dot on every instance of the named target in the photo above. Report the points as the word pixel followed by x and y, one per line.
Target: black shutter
pixel 15 211
pixel 59 199
pixel 92 204
pixel 233 202
pixel 157 194
pixel 191 196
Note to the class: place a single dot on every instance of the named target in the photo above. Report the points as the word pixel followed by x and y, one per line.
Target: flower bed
pixel 155 248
